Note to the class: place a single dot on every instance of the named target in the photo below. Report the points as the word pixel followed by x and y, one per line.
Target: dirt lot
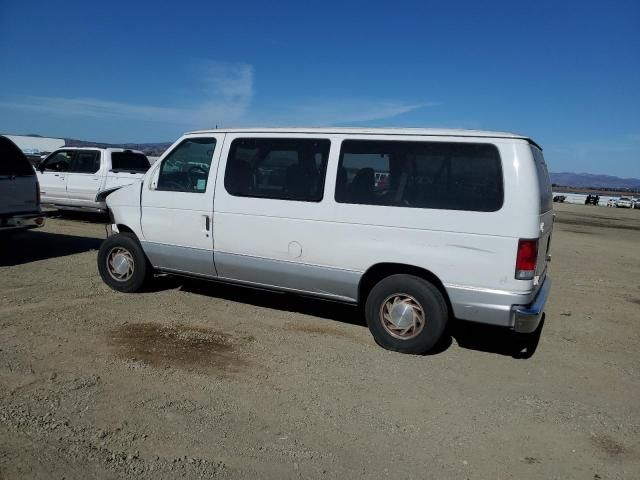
pixel 200 380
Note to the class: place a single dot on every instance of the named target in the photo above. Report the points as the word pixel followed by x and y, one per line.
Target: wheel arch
pixel 122 228
pixel 379 271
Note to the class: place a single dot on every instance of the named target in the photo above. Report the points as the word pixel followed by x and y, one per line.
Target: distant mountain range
pixel 589 180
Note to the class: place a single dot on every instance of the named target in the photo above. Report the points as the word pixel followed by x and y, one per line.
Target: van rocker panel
pixel 329 282
pixel 182 259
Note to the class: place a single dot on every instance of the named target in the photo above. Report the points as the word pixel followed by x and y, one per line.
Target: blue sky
pixel 565 73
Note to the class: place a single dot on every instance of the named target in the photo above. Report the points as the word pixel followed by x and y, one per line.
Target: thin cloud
pixel 338 112
pixel 225 98
pixel 227 88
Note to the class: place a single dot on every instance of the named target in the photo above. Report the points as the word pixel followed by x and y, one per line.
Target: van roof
pixel 436 132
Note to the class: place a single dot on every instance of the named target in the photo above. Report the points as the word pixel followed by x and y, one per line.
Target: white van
pixel 418 226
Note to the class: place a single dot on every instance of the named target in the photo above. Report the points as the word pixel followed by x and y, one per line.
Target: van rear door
pixel 18 184
pixel 546 213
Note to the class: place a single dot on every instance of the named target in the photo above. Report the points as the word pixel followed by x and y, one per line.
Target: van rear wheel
pixel 122 263
pixel 406 314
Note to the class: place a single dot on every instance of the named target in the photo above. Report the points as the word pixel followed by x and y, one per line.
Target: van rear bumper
pixel 527 317
pixel 20 221
pixel 521 312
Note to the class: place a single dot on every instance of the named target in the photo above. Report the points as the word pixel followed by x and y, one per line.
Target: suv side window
pixel 438 175
pixel 186 168
pixel 277 168
pixel 58 162
pixel 85 162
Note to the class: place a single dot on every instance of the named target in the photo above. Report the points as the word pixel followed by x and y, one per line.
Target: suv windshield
pixel 13 162
pixel 129 162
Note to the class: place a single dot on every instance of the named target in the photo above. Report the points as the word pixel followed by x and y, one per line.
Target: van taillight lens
pixel 526 259
pixel 37 193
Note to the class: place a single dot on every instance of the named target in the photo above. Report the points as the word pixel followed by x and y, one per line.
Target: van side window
pixel 85 162
pixel 279 168
pixel 58 162
pixel 439 175
pixel 186 168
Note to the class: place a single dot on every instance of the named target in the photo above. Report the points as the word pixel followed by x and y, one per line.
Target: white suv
pixel 19 190
pixel 417 225
pixel 72 178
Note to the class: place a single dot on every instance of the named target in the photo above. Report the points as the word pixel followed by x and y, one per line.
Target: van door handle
pixel 205 223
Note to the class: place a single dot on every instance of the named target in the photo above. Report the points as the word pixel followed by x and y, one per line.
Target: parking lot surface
pixel 202 380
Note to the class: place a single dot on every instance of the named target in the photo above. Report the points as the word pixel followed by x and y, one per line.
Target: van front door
pixel 177 206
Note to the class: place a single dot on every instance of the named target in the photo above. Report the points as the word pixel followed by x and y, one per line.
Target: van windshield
pixel 13 162
pixel 544 183
pixel 129 162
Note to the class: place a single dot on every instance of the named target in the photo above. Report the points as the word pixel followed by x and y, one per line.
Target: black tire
pixel 428 299
pixel 136 280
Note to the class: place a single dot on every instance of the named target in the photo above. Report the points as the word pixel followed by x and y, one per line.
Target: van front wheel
pixel 122 263
pixel 406 314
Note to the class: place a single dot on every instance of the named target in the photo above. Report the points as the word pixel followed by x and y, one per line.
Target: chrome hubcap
pixel 402 316
pixel 120 264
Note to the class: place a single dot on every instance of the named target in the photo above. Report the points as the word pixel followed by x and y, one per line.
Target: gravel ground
pixel 199 380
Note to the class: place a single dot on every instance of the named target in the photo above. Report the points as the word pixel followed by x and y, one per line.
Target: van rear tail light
pixel 37 193
pixel 527 259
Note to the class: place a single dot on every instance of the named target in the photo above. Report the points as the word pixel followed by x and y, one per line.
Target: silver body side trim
pixel 493 307
pixel 181 259
pixel 260 286
pixel 293 276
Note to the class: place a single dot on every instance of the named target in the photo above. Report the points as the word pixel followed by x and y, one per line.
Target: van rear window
pixel 13 163
pixel 129 162
pixel 438 175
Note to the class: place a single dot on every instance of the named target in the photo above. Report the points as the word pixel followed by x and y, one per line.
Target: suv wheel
pixel 122 263
pixel 406 314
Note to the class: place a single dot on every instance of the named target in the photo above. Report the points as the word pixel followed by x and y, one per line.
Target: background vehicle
pixel 624 202
pixel 71 178
pixel 559 198
pixel 592 200
pixel 612 202
pixel 457 223
pixel 19 191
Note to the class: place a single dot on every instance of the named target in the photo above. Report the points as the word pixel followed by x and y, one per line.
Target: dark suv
pixel 19 190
